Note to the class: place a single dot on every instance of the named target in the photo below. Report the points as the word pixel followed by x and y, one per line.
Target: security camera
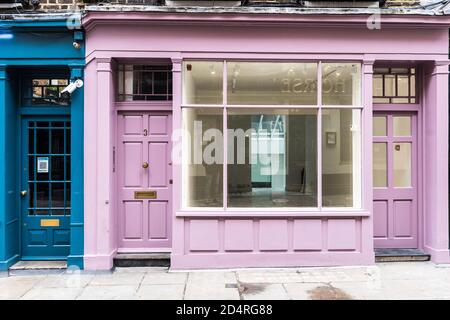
pixel 71 88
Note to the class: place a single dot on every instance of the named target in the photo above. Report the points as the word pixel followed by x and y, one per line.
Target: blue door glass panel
pixel 46 181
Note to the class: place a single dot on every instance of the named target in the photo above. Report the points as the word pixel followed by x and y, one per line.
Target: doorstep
pixel 39 265
pixel 400 255
pixel 160 259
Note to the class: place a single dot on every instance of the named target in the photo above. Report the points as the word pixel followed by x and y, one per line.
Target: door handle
pixel 145 165
pixel 23 193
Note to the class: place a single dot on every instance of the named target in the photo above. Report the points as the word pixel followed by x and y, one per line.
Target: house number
pixel 145 132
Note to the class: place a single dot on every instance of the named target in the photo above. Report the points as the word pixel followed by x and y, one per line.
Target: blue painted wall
pixel 24 45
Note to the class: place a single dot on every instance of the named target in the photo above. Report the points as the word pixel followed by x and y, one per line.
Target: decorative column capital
pixel 176 64
pixel 367 66
pixel 104 64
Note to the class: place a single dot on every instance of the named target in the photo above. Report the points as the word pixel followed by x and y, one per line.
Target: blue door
pixel 45 188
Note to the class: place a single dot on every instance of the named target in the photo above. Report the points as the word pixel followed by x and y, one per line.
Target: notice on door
pixel 42 165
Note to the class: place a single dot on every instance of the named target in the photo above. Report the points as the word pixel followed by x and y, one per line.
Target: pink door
pixel 144 180
pixel 395 180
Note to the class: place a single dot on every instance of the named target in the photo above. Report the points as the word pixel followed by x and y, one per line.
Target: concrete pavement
pixel 411 280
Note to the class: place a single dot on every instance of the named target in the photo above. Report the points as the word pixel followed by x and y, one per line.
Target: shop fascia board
pixel 98 15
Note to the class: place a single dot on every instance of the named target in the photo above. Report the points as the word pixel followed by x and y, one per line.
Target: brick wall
pixel 50 5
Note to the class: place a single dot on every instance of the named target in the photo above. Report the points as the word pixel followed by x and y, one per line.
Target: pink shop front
pixel 240 139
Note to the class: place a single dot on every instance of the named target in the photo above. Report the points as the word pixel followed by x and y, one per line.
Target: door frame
pixel 412 108
pixel 136 107
pixel 21 177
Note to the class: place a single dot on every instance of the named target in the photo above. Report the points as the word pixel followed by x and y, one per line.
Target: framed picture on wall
pixel 331 137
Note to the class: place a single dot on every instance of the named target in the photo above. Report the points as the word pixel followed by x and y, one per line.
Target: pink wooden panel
pixel 273 235
pixel 133 159
pixel 157 125
pixel 157 212
pixel 204 235
pixel 132 125
pixel 308 234
pixel 239 235
pixel 341 234
pixel 133 219
pixel 403 218
pixel 157 156
pixel 380 219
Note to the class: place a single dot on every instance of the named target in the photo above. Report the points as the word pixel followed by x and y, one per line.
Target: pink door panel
pixel 144 151
pixel 395 180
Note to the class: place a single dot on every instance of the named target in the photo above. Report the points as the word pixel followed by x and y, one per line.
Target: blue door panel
pixel 45 187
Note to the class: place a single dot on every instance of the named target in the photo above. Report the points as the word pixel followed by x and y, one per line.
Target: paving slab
pixel 109 292
pixel 51 294
pixel 164 278
pixel 116 279
pixel 161 292
pixel 250 291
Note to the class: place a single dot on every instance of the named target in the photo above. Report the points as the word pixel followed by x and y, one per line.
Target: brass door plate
pixel 145 194
pixel 49 222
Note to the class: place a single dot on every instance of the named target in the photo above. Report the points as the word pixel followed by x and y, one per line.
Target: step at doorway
pixel 400 255
pixel 142 260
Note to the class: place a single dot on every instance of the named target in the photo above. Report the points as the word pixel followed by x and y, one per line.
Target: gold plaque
pixel 49 222
pixel 145 194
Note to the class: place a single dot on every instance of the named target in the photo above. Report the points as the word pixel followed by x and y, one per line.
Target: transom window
pixel 394 85
pixel 45 92
pixel 271 134
pixel 144 82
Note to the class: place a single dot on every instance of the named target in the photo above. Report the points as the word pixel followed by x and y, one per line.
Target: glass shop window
pixel 341 84
pixel 45 92
pixel 272 158
pixel 203 82
pixel 256 136
pixel 264 83
pixel 394 85
pixel 144 82
pixel 204 159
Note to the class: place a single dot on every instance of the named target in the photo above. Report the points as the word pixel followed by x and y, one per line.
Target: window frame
pixel 357 203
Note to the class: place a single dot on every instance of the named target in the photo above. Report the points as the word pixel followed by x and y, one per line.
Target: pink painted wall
pixel 252 238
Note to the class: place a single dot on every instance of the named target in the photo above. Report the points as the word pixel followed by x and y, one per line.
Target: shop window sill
pixel 272 213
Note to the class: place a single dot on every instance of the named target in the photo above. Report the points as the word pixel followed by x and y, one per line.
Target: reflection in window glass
pixel 203 157
pixel 272 83
pixel 341 183
pixel 202 82
pixel 379 126
pixel 272 158
pixel 402 164
pixel 144 82
pixel 379 165
pixel 341 84
pixel 402 126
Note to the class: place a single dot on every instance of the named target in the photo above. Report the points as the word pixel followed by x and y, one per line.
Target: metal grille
pixel 145 82
pixel 394 85
pixel 49 168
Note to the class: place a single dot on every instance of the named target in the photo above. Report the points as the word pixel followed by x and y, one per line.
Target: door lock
pixel 145 165
pixel 23 193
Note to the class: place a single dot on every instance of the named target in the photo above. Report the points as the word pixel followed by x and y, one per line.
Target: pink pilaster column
pixel 178 223
pixel 435 208
pixel 367 184
pixel 99 235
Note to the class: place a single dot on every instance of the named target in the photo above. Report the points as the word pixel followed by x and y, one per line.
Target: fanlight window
pixel 394 85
